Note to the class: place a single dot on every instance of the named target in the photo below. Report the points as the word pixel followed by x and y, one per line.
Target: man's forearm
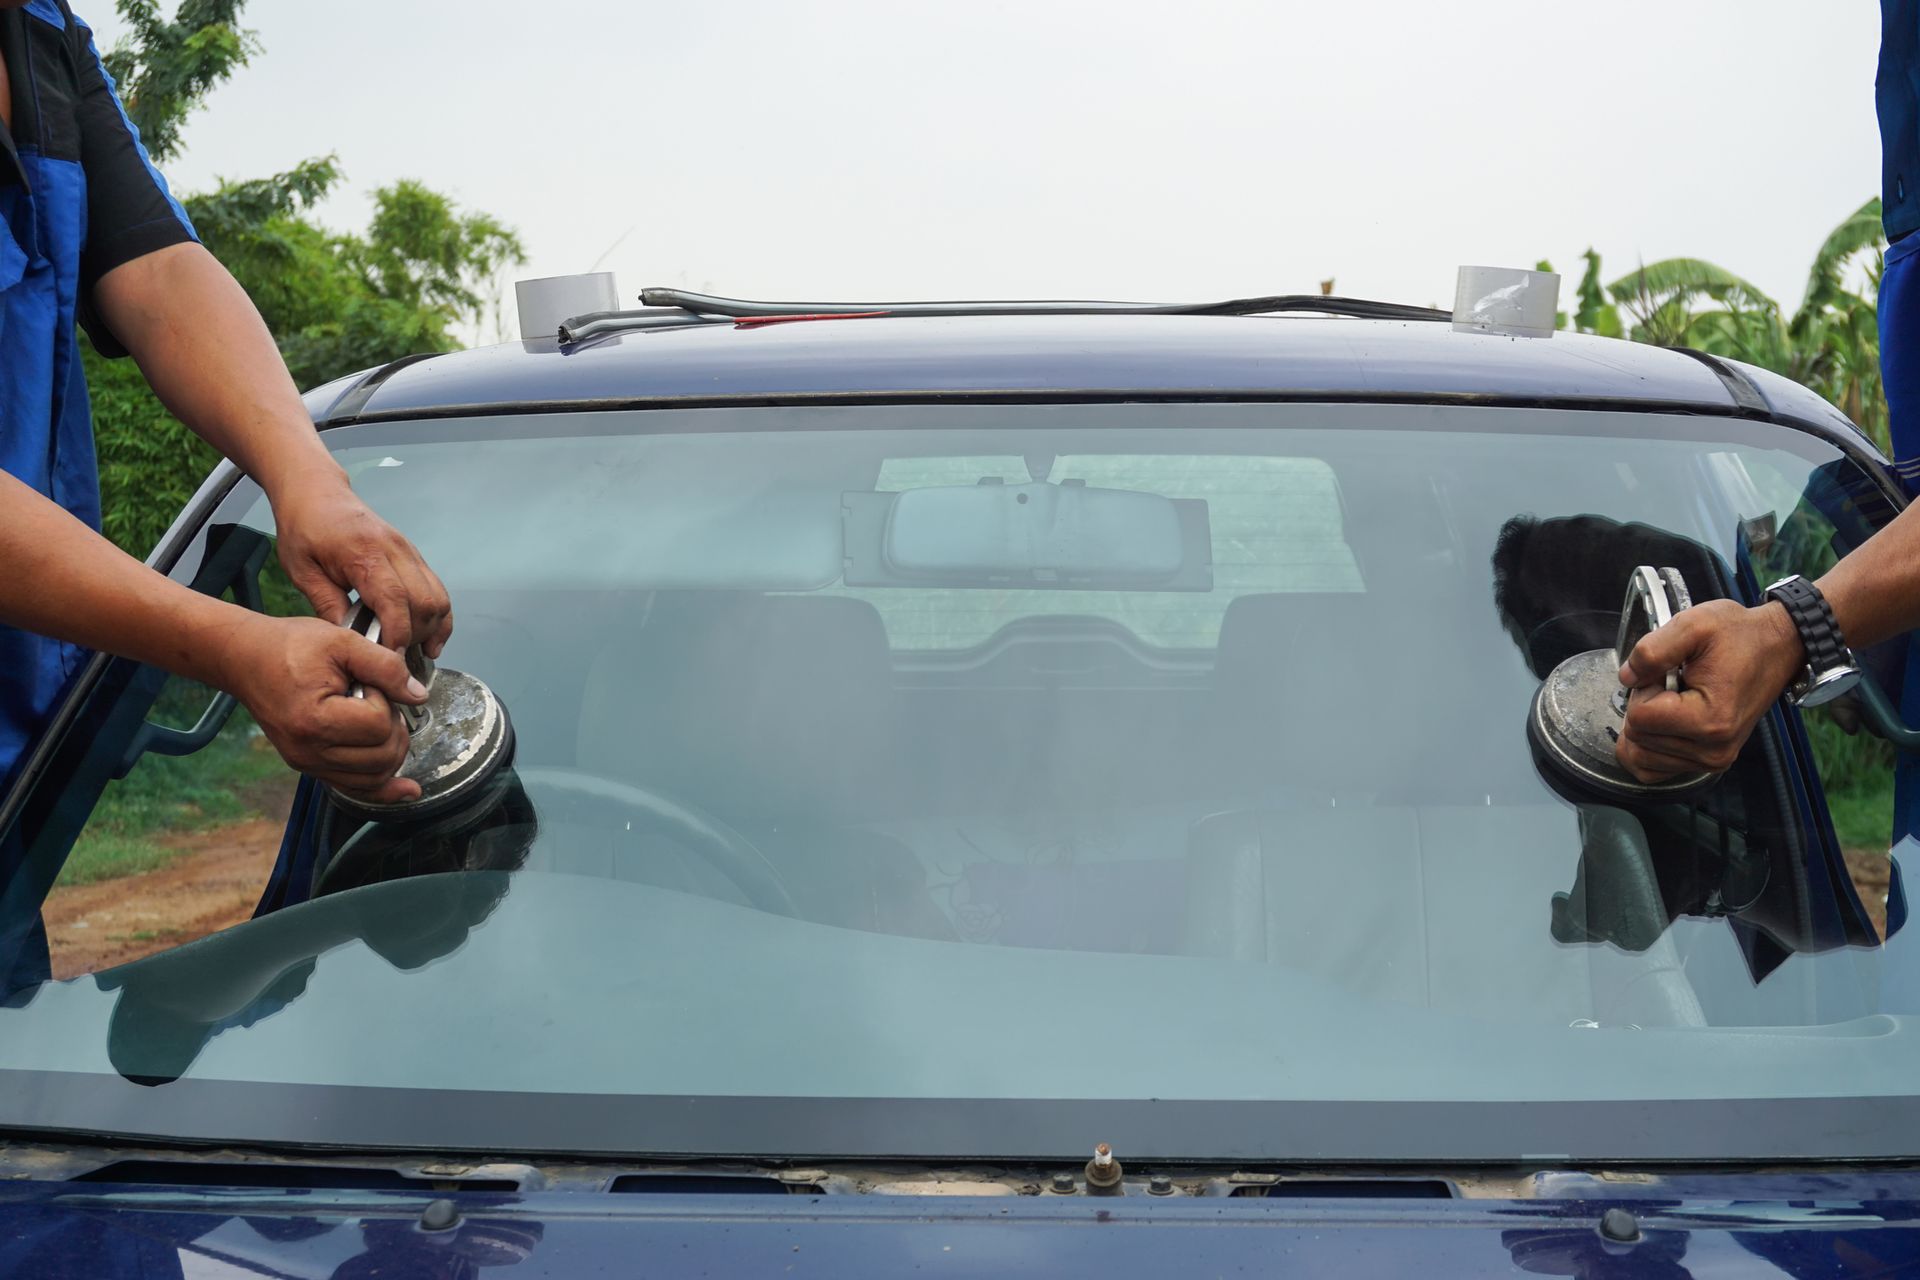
pixel 59 578
pixel 1875 591
pixel 208 355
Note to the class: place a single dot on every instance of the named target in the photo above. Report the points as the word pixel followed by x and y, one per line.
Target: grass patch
pixel 1856 772
pixel 168 795
pixel 1863 814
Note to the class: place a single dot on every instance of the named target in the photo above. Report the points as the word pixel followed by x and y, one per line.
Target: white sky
pixel 1172 151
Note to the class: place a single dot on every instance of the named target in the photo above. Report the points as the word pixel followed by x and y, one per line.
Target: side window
pixel 1856 768
pixel 1277 526
pixel 183 844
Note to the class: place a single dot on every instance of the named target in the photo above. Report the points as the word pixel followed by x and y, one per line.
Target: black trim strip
pixel 345 1117
pixel 1854 445
pixel 355 397
pixel 1746 394
pixel 1025 395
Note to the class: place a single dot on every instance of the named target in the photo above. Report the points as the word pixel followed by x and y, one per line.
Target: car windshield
pixel 990 780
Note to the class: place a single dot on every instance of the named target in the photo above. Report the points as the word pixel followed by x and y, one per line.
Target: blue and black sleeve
pixel 130 211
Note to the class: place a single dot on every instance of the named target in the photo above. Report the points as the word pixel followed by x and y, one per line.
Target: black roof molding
pixel 675 308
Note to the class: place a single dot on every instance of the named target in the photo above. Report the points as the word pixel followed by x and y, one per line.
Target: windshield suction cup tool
pixel 1576 716
pixel 462 740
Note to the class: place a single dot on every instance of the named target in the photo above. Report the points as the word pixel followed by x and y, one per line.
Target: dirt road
pixel 1871 871
pixel 214 884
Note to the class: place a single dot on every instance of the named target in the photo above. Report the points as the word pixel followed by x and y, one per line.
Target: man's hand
pixel 331 542
pixel 210 359
pixel 293 675
pixel 1737 662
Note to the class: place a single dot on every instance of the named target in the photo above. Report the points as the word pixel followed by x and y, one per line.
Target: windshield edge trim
pixel 1752 1130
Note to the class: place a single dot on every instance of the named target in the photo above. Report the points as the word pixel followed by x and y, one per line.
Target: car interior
pixel 1338 784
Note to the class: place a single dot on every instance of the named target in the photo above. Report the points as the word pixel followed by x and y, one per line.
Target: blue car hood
pixel 1803 1227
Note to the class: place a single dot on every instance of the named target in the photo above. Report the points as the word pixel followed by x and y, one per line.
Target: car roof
pixel 1025 357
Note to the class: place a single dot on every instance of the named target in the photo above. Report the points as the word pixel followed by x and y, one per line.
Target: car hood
pixel 1819 1226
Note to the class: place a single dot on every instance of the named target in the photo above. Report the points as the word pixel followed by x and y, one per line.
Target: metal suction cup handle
pixel 362 619
pixel 1654 596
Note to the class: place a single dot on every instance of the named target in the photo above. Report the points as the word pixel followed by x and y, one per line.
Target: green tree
pixel 166 67
pixel 336 302
pixel 1830 343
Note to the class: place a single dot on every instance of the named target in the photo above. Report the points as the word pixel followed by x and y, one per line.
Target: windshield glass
pixel 930 762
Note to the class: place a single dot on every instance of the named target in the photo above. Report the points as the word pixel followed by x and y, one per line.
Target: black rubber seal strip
pixel 355 398
pixel 1746 395
pixel 192 1111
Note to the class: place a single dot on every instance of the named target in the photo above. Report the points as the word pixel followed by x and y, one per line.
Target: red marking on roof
pixel 761 322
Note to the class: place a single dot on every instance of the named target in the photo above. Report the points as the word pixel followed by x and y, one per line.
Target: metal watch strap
pixel 1813 619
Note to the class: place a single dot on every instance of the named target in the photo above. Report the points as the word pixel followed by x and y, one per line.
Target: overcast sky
pixel 1179 150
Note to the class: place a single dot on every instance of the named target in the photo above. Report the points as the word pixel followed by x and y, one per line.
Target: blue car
pixel 1011 790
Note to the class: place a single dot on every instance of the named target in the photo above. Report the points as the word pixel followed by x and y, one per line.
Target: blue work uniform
pixel 78 197
pixel 1896 92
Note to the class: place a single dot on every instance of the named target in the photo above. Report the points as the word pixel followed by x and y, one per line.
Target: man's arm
pixel 1739 660
pixel 64 580
pixel 209 357
pixel 148 287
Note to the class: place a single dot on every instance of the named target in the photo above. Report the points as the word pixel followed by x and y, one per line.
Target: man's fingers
pixel 356 722
pixel 1662 650
pixel 374 763
pixel 440 630
pixel 382 588
pixel 1655 764
pixel 392 791
pixel 1657 711
pixel 432 611
pixel 382 669
pixel 328 600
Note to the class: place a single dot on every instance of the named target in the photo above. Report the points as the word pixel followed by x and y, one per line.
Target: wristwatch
pixel 1830 669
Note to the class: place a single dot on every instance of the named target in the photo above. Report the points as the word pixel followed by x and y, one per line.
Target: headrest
pixel 1559 584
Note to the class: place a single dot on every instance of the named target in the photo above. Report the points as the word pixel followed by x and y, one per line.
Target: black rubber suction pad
pixel 464 744
pixel 1573 726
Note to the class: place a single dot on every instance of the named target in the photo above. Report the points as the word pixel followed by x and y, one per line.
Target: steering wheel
pixel 591 800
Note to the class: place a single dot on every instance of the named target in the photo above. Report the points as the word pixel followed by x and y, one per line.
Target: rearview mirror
pixel 1037 534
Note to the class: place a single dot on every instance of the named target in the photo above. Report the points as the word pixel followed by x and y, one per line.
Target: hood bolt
pixel 1160 1185
pixel 1619 1226
pixel 1063 1184
pixel 1103 1172
pixel 439 1215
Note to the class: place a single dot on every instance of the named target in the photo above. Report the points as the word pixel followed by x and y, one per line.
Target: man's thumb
pixel 1662 650
pixel 382 669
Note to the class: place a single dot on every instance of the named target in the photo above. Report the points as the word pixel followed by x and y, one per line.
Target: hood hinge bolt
pixel 1103 1172
pixel 1620 1226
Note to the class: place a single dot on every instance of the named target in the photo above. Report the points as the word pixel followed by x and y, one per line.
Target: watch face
pixel 1828 685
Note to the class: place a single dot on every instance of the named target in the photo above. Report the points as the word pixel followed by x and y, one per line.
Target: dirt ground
pixel 1870 871
pixel 218 877
pixel 213 884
